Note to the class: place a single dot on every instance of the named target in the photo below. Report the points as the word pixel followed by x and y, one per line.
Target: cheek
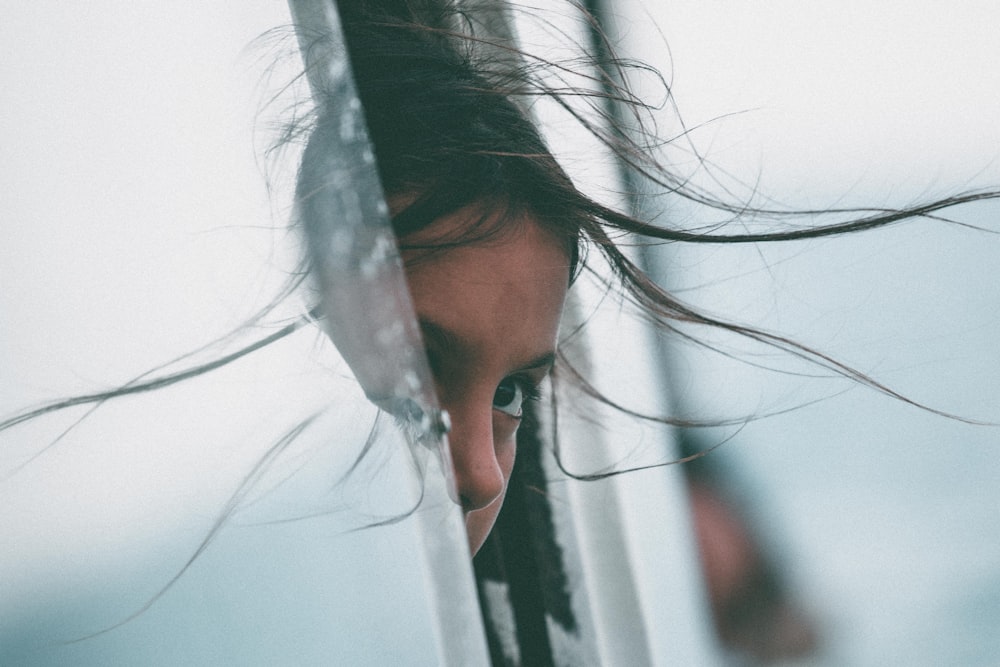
pixel 505 442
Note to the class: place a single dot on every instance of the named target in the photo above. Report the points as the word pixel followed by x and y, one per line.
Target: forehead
pixel 504 295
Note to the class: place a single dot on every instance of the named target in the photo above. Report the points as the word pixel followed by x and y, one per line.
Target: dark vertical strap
pixel 523 553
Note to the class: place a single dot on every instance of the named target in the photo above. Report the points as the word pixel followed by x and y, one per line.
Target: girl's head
pixel 487 227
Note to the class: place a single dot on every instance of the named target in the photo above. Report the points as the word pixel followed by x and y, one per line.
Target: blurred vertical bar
pixel 627 539
pixel 371 320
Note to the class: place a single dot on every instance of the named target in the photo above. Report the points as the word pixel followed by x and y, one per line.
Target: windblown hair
pixel 447 107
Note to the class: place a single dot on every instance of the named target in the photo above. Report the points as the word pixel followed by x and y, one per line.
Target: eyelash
pixel 528 390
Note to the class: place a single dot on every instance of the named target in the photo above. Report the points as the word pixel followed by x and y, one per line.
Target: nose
pixel 478 474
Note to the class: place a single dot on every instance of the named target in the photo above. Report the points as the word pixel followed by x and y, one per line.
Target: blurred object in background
pixel 755 611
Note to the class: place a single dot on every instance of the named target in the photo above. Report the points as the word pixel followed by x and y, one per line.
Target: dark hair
pixel 446 103
pixel 446 137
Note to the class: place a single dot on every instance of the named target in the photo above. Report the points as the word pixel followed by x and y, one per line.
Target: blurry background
pixel 885 517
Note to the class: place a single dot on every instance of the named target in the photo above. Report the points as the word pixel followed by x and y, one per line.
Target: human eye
pixel 511 395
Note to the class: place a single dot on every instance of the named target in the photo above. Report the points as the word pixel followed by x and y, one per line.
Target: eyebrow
pixel 445 341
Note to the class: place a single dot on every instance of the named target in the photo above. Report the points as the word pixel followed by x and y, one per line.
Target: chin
pixel 478 526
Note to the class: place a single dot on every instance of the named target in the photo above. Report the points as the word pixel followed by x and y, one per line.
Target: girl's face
pixel 489 313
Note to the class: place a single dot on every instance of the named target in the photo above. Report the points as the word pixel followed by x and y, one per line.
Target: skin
pixel 490 314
